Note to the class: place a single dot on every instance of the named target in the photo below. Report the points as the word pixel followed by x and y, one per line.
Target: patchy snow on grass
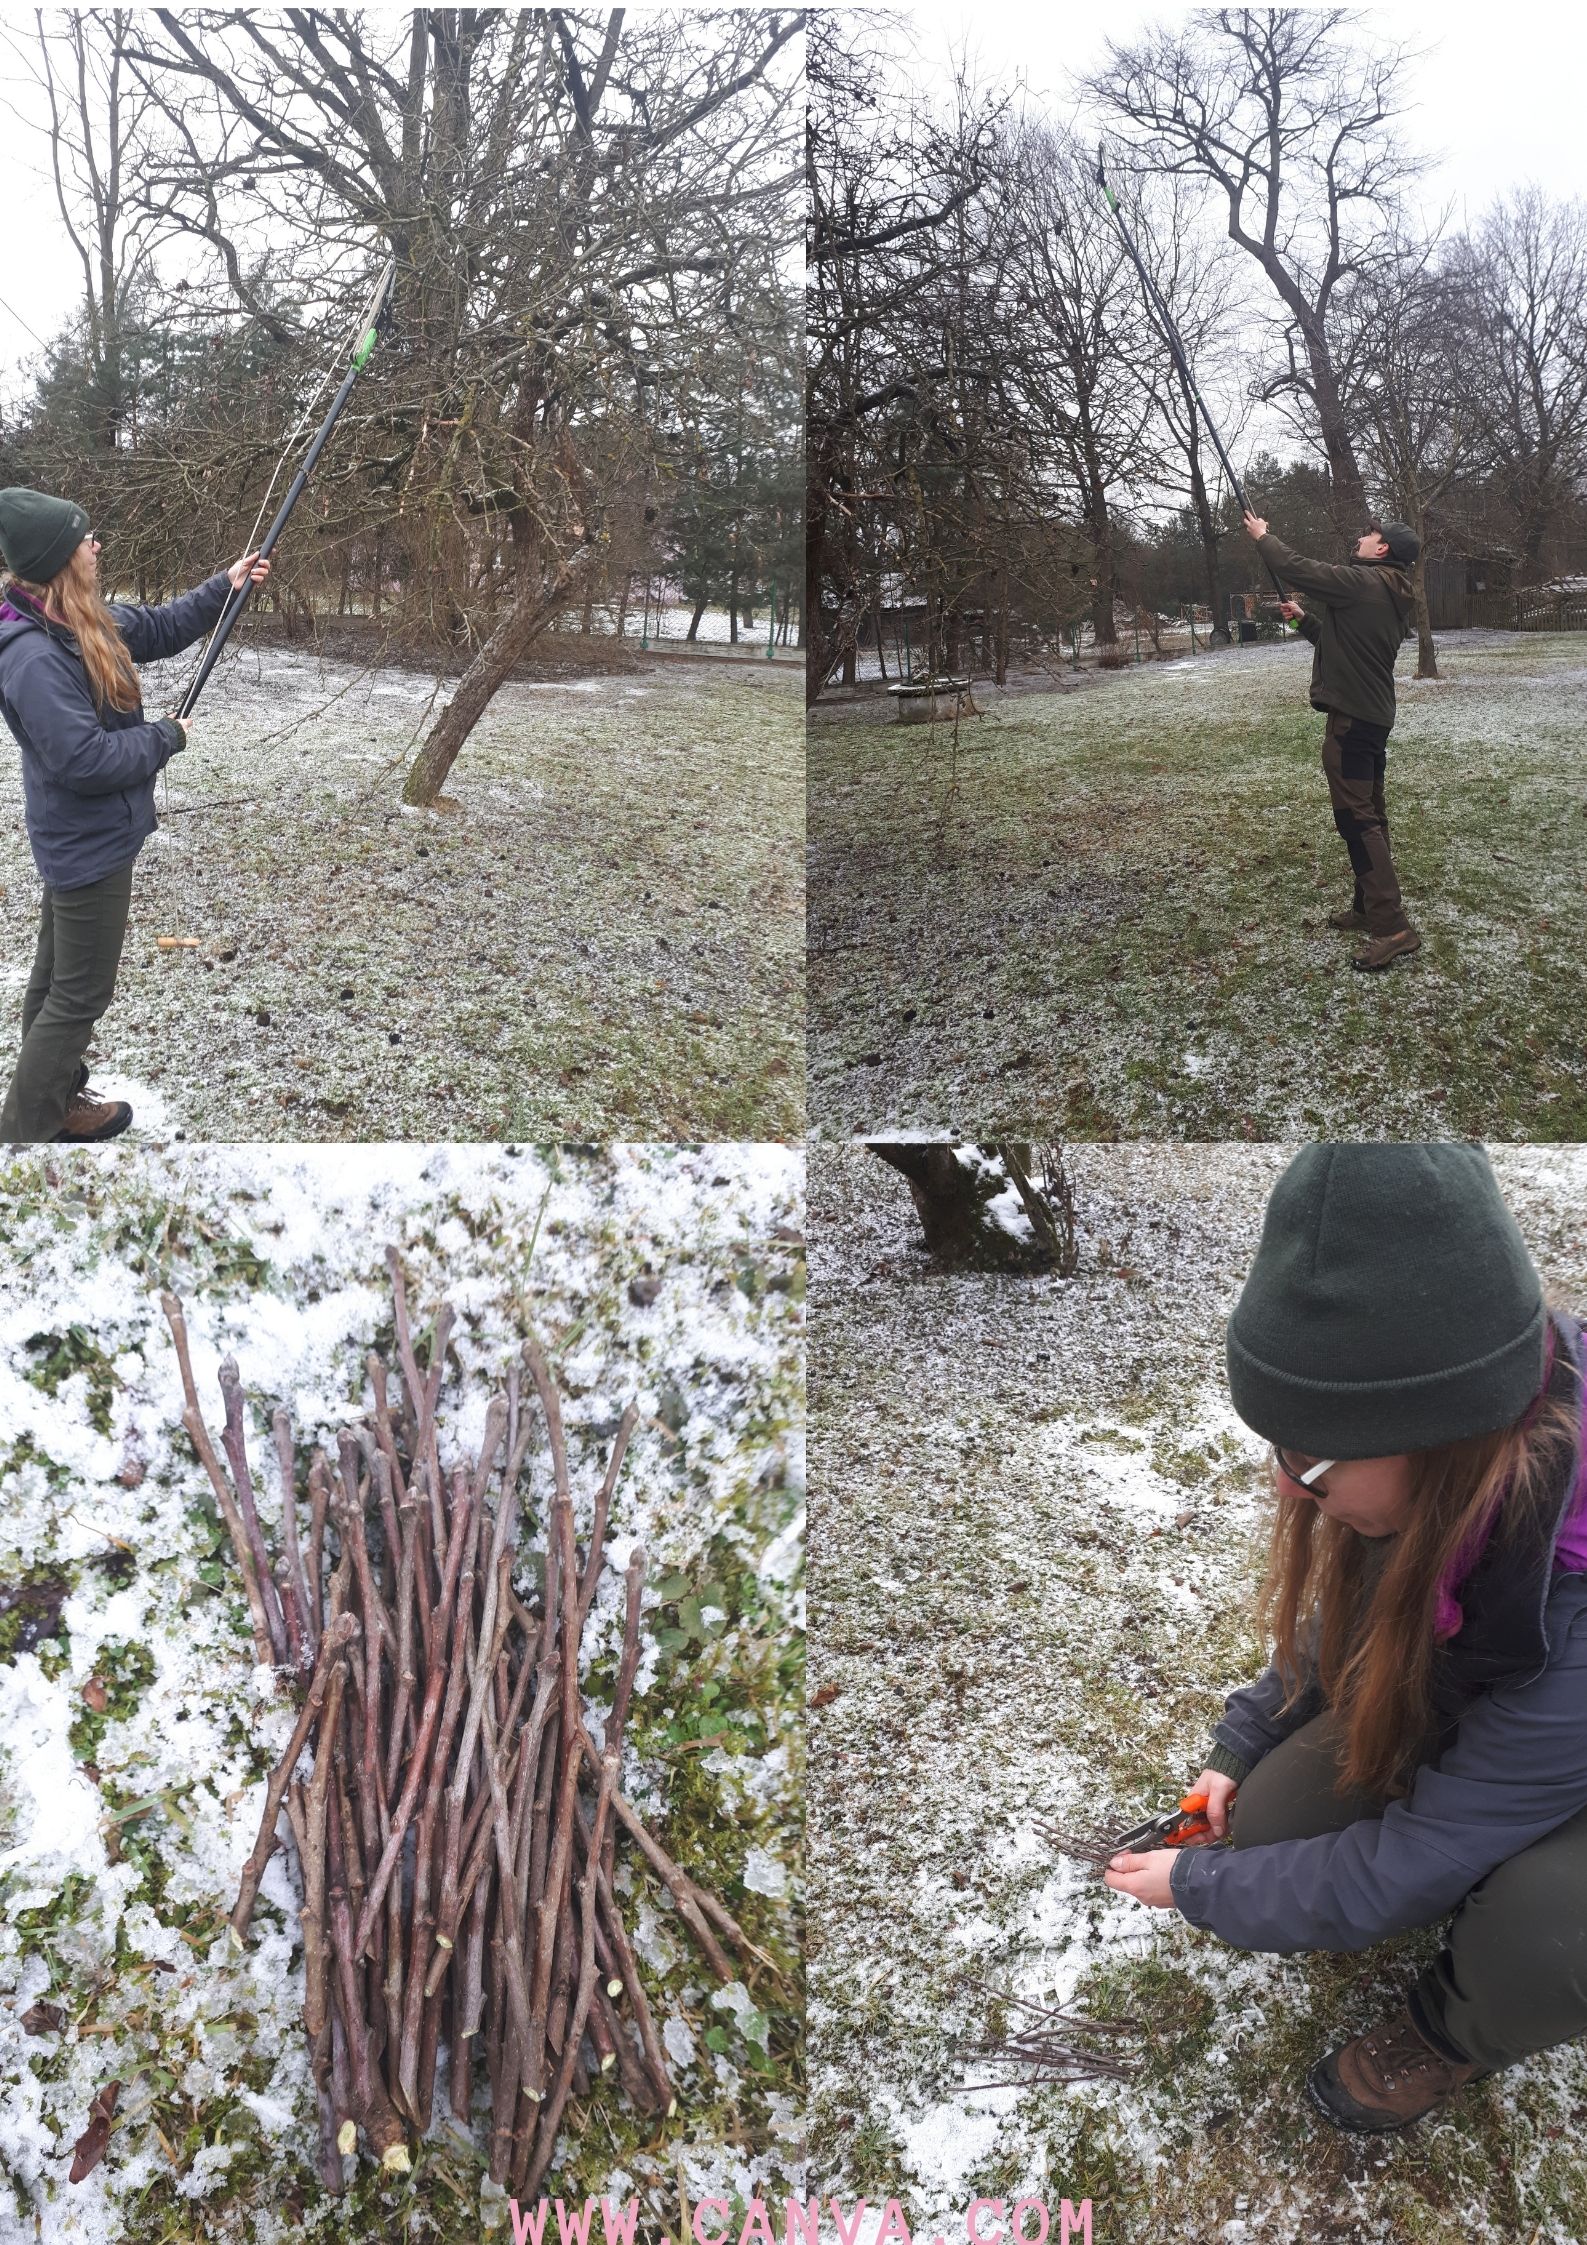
pixel 1036 1532
pixel 1106 912
pixel 600 935
pixel 122 1835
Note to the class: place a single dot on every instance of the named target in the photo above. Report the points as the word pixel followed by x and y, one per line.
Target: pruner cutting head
pixel 1102 175
pixel 378 311
pixel 1185 1826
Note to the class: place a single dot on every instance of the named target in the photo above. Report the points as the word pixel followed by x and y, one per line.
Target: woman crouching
pixel 1419 1745
pixel 69 693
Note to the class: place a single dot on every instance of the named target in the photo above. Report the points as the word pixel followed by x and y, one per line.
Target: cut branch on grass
pixel 333 1647
pixel 198 1435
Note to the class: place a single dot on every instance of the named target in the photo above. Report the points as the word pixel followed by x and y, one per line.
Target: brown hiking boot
pixel 88 1120
pixel 1386 2080
pixel 1353 922
pixel 1383 950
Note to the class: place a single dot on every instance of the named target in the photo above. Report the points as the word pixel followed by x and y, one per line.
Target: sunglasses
pixel 1306 1472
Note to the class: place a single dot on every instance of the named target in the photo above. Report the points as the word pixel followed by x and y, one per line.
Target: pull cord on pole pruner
pixel 1171 335
pixel 376 314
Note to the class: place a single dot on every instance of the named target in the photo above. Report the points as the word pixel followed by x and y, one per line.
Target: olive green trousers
pixel 1511 1977
pixel 73 981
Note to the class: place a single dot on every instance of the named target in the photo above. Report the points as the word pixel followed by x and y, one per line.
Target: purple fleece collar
pixel 1570 1547
pixel 31 610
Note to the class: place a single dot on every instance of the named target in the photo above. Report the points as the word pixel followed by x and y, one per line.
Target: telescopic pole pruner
pixel 374 319
pixel 1171 335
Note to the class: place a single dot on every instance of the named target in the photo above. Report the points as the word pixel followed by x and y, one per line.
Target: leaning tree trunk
pixel 507 645
pixel 980 1209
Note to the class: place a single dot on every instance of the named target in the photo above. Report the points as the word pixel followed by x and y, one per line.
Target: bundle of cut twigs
pixel 1056 2046
pixel 454 1836
pixel 1093 1847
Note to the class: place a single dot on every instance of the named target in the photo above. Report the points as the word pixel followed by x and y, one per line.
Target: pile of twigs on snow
pixel 1055 2046
pixel 455 1837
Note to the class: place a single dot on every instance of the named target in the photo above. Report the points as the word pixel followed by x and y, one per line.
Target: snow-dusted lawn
pixel 1008 1626
pixel 279 1255
pixel 1114 923
pixel 602 937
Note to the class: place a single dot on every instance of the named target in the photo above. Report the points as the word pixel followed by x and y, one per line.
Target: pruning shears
pixel 1185 1826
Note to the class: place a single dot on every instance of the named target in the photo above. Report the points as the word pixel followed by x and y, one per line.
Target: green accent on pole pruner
pixel 364 348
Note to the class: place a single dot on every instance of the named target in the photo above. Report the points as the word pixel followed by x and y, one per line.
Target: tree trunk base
pixel 979 1208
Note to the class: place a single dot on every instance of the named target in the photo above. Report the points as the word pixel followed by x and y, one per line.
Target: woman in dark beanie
pixel 1419 1745
pixel 69 693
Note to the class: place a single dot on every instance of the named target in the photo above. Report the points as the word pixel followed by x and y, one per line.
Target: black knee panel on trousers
pixel 1353 832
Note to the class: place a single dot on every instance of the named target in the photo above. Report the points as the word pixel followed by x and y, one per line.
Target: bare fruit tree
pixel 1525 270
pixel 885 179
pixel 1413 323
pixel 591 218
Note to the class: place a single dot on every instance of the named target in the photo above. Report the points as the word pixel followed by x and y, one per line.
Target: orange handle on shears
pixel 1191 1824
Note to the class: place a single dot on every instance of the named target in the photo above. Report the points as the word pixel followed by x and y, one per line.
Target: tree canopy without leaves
pixel 1294 121
pixel 591 217
pixel 1002 443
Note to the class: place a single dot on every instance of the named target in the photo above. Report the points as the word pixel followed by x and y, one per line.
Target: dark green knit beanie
pixel 38 534
pixel 1392 1305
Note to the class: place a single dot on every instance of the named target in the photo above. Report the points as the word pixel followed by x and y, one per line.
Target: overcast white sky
pixel 1492 108
pixel 1498 96
pixel 1499 100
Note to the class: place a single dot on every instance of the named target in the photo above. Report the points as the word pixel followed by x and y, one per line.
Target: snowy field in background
pixel 1104 913
pixel 1036 1533
pixel 280 1259
pixel 601 934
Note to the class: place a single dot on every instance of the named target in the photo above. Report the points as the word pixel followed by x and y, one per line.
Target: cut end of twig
pixel 237 1941
pixel 608 2061
pixel 442 1942
pixel 672 2106
pixel 614 1987
pixel 395 2160
pixel 347 2138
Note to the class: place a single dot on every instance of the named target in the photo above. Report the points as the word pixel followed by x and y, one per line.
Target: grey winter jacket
pixel 1516 1767
pixel 88 777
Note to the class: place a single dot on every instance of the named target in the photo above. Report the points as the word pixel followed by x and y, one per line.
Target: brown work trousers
pixel 1354 768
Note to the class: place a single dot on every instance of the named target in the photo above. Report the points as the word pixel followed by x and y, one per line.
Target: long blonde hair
pixel 73 598
pixel 1376 1641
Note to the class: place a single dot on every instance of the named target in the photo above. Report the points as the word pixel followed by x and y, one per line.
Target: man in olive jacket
pixel 1359 616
